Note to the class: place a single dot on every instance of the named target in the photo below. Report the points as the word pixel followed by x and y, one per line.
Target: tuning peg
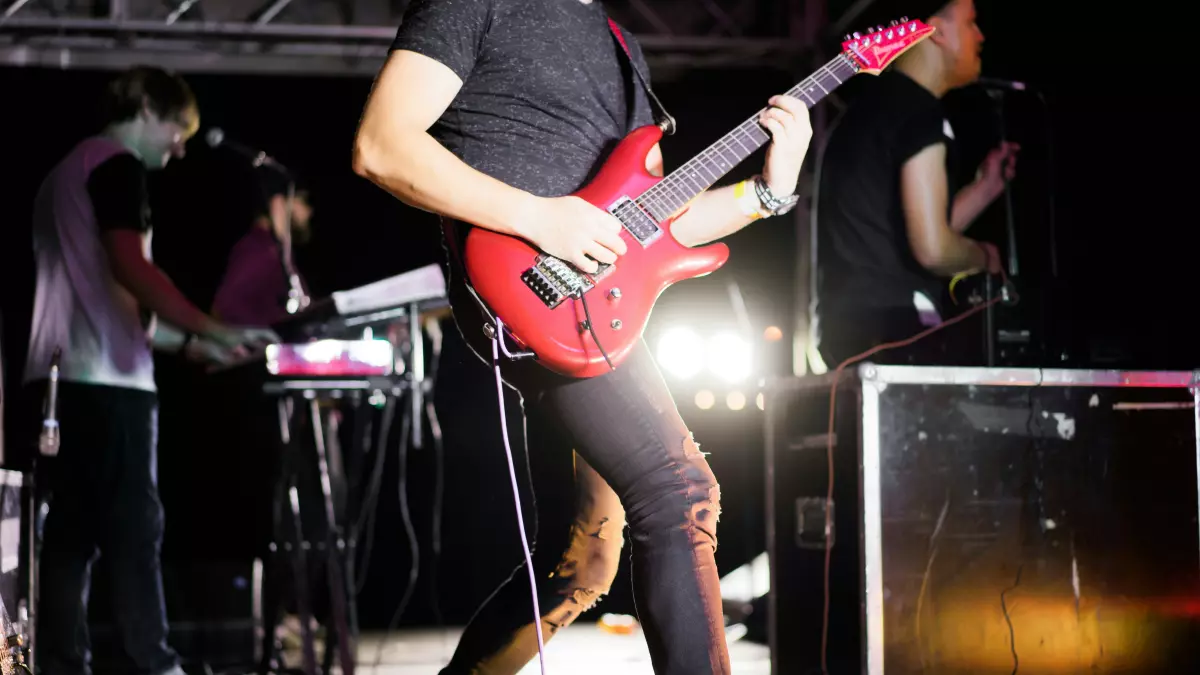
pixel 879 29
pixel 870 30
pixel 904 19
pixel 894 24
pixel 857 35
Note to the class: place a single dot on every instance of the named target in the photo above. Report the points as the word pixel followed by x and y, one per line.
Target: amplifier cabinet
pixel 985 521
pixel 13 494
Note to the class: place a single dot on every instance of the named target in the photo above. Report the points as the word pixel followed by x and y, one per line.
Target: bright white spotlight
pixel 736 400
pixel 730 357
pixel 705 399
pixel 681 352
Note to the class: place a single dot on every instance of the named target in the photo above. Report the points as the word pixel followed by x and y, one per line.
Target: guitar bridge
pixel 554 281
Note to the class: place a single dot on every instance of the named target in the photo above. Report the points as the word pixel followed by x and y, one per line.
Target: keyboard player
pixel 257 284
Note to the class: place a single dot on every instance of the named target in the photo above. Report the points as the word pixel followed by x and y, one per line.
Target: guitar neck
pixel 683 184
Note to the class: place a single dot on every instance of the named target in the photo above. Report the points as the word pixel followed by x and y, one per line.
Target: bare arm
pixel 150 286
pixel 999 167
pixel 968 204
pixel 394 150
pixel 710 216
pixel 925 194
pixel 716 213
pixel 167 338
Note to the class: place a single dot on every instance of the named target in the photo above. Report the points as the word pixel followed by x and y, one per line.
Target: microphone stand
pixel 1014 265
pixel 1014 268
pixel 297 298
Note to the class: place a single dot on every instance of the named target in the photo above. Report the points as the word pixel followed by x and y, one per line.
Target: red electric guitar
pixel 583 325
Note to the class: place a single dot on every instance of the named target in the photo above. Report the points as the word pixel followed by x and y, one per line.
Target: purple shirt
pixel 254 290
pixel 78 304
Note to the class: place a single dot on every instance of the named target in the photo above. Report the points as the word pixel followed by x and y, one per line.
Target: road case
pixel 985 521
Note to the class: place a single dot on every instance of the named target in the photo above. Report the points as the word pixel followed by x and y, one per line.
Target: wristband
pixel 747 200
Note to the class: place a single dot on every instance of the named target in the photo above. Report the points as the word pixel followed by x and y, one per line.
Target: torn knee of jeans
pixel 707 512
pixel 586 598
pixel 559 618
pixel 609 529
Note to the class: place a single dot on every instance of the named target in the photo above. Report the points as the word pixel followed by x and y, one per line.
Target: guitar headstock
pixel 880 46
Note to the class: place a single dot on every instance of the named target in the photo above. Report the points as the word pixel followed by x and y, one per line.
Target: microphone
pixel 994 83
pixel 49 439
pixel 216 138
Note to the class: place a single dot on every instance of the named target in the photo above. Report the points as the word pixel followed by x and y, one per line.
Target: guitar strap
pixel 661 117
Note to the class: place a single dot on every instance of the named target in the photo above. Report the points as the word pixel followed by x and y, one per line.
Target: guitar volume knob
pixel 614 294
pixel 616 324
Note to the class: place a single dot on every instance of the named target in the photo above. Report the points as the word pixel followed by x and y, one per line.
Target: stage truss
pixel 351 37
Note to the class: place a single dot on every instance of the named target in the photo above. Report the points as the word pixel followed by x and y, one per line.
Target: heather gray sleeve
pixel 448 31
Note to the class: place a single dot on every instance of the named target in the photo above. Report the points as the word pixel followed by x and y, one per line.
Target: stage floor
pixel 577 650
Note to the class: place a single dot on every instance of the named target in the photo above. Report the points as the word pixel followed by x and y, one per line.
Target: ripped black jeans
pixel 626 433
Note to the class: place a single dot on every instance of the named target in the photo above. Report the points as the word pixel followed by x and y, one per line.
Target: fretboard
pixel 700 173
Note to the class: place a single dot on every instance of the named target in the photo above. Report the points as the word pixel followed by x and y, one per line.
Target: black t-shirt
pixel 120 200
pixel 545 95
pixel 864 260
pixel 119 197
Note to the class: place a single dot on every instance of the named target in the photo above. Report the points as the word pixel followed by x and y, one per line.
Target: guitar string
pixel 660 193
pixel 659 190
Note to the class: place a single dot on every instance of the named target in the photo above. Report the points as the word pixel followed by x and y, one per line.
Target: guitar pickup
pixel 636 220
pixel 553 280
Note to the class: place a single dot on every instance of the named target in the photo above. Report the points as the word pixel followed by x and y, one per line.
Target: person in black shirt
pixel 493 112
pixel 889 226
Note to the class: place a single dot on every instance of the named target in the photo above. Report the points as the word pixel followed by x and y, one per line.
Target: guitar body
pixel 622 297
pixel 546 304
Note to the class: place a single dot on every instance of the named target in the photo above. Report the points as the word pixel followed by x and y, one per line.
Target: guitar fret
pixel 713 175
pixel 678 188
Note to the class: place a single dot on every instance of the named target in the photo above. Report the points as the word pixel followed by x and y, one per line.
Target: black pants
pixel 104 500
pixel 635 462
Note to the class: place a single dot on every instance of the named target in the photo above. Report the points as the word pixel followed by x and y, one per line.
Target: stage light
pixel 760 401
pixel 773 334
pixel 681 352
pixel 705 399
pixel 736 400
pixel 730 357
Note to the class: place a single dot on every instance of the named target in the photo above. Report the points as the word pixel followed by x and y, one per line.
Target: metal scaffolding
pixel 349 37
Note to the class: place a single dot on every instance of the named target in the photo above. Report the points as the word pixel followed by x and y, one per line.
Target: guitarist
pixel 890 228
pixel 492 112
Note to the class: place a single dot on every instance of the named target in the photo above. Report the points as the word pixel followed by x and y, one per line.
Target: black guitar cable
pixel 592 329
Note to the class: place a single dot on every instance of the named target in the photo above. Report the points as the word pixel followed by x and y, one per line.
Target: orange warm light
pixel 969 634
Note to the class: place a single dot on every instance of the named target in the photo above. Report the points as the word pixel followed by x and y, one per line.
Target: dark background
pixel 1119 115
